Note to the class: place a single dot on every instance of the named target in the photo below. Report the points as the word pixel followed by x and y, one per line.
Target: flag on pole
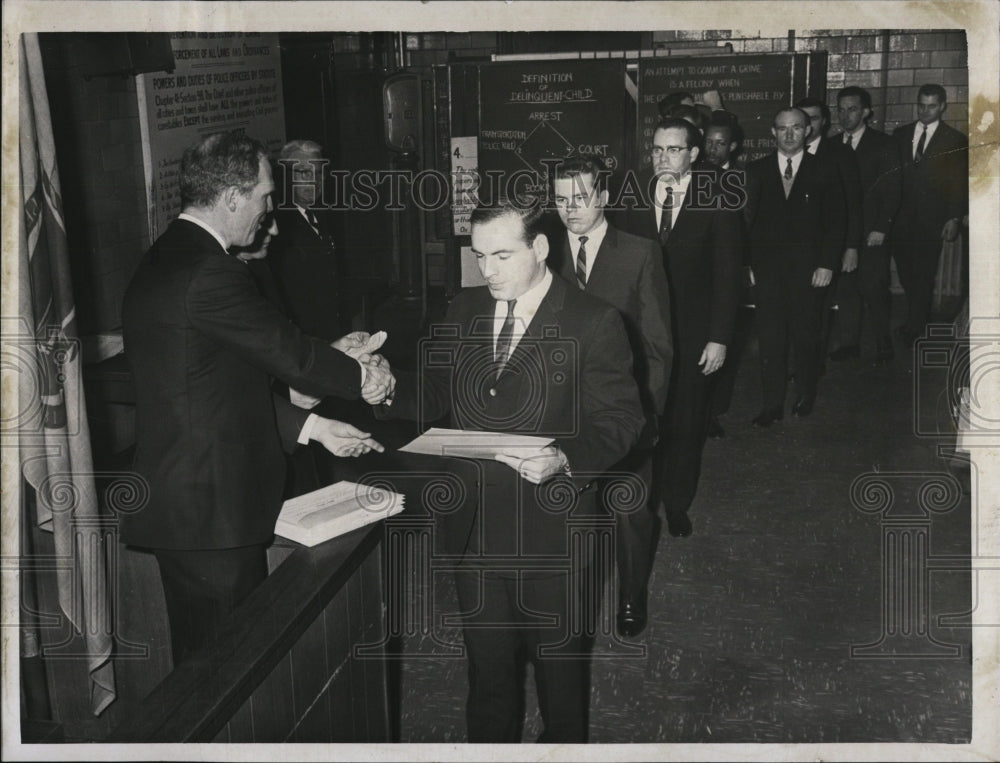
pixel 53 433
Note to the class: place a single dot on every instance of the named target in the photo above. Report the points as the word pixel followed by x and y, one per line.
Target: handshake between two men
pixel 339 437
pixel 343 439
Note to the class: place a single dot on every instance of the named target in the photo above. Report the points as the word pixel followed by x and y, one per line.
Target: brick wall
pixel 890 64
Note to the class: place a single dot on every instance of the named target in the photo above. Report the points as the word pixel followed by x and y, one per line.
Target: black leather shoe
pixel 845 353
pixel 679 525
pixel 715 430
pixel 631 619
pixel 767 417
pixel 804 405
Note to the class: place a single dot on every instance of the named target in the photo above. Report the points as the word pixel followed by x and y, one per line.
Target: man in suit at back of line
pixel 878 167
pixel 626 271
pixel 203 344
pixel 935 187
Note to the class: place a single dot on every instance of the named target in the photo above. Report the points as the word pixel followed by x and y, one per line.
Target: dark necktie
pixel 666 217
pixel 581 264
pixel 505 336
pixel 788 170
pixel 850 141
pixel 919 153
pixel 311 218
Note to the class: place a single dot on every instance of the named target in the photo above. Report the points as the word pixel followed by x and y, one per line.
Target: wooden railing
pixel 285 667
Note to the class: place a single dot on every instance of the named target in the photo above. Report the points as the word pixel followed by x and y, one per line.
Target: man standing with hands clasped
pixel 203 345
pixel 529 354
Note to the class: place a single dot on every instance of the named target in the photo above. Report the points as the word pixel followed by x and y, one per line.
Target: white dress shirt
pixel 202 224
pixel 783 163
pixel 918 131
pixel 855 136
pixel 524 311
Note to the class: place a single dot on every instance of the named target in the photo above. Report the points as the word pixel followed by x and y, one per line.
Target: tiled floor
pixel 753 618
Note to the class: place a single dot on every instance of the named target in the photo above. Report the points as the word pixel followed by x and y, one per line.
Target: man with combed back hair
pixel 528 354
pixel 203 345
pixel 625 271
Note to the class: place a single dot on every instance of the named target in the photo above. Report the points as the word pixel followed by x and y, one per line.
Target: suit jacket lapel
pixel 545 315
pixel 604 259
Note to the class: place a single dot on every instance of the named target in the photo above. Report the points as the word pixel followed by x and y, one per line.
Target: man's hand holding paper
pixel 535 466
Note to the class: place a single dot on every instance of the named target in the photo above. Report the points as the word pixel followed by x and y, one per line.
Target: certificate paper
pixel 456 442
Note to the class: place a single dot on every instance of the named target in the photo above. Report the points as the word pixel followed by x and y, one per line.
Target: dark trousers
pixel 685 428
pixel 788 307
pixel 917 264
pixel 512 619
pixel 725 377
pixel 203 587
pixel 622 493
pixel 865 292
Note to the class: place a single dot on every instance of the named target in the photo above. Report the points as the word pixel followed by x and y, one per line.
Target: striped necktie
pixel 581 264
pixel 505 336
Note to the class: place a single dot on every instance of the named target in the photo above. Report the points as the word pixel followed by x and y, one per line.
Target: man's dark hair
pixel 583 164
pixel 531 214
pixel 729 121
pixel 669 101
pixel 690 113
pixel 691 134
pixel 931 88
pixel 804 103
pixel 218 162
pixel 855 91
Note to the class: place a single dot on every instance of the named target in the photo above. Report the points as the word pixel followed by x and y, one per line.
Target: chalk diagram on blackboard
pixel 544 142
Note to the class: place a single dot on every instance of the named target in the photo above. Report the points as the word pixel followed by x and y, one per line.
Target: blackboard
pixel 531 112
pixel 753 87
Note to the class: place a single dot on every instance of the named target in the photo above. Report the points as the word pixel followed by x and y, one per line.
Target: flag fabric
pixel 53 433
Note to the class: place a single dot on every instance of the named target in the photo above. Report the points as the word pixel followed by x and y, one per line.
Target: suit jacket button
pixel 493 392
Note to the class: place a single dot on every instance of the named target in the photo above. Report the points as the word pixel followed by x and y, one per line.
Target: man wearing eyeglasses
pixel 698 229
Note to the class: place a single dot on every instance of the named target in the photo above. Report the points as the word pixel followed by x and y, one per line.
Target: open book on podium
pixel 335 510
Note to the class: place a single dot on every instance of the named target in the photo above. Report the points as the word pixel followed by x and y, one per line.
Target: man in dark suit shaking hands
pixel 935 166
pixel 529 354
pixel 626 271
pixel 796 217
pixel 203 345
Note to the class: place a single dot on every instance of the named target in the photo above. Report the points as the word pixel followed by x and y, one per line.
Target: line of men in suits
pixel 613 360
